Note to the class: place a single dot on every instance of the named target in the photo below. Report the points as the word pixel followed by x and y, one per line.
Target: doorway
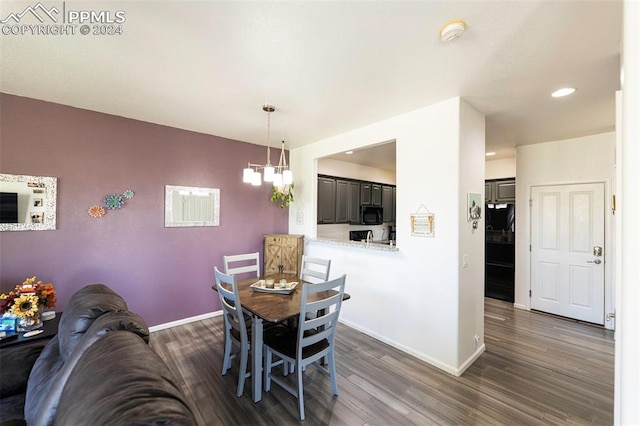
pixel 567 250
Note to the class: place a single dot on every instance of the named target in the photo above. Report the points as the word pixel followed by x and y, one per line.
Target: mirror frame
pixel 50 204
pixel 171 190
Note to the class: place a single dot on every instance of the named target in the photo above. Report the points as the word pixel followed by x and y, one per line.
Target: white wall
pixel 580 160
pixel 331 167
pixel 498 169
pixel 409 298
pixel 471 282
pixel 627 376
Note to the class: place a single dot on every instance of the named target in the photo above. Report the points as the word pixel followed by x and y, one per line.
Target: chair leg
pixel 332 373
pixel 267 370
pixel 226 360
pixel 242 375
pixel 300 391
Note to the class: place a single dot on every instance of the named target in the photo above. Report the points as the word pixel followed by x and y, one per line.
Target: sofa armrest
pixel 122 379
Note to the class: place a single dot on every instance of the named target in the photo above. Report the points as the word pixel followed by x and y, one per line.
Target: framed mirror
pixel 27 203
pixel 191 206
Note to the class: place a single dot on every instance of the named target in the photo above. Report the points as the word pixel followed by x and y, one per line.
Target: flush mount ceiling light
pixel 279 175
pixel 452 30
pixel 490 154
pixel 565 91
pixel 349 152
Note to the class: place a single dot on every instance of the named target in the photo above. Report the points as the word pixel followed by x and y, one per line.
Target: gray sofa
pixel 97 370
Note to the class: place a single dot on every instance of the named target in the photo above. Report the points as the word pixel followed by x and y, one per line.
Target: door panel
pixel 567 223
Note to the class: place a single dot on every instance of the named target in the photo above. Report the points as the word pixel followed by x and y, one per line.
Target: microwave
pixel 370 215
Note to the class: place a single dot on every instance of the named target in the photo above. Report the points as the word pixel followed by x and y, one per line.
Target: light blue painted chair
pixel 307 344
pixel 242 264
pixel 315 269
pixel 235 327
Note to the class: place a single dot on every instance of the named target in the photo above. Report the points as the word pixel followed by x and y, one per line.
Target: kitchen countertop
pixel 379 246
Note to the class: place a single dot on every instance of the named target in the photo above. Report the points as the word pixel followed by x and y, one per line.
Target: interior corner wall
pixel 419 283
pixel 164 274
pixel 579 160
pixel 471 240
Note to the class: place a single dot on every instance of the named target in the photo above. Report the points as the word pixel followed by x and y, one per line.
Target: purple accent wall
pixel 164 274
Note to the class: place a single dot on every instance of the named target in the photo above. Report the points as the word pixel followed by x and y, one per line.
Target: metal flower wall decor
pixel 110 202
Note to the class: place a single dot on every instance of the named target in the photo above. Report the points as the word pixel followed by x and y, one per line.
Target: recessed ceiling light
pixel 565 91
pixel 349 152
pixel 452 30
pixel 489 154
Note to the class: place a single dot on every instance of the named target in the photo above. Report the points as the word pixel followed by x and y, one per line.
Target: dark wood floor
pixel 537 369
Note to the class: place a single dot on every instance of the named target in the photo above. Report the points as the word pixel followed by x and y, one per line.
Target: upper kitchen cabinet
pixel 500 191
pixel 347 201
pixel 388 208
pixel 326 200
pixel 370 194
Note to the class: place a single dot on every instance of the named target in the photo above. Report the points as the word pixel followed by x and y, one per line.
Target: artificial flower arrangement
pixel 25 299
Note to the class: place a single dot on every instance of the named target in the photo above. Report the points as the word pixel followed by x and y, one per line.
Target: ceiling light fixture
pixel 452 30
pixel 490 154
pixel 279 175
pixel 349 152
pixel 565 91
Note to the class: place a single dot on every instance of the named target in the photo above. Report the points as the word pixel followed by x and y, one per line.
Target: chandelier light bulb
pixel 287 177
pixel 277 179
pixel 268 173
pixel 256 179
pixel 247 175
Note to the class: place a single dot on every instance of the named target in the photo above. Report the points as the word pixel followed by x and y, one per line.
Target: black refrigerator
pixel 499 271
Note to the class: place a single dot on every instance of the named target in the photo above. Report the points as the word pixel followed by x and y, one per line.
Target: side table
pixel 50 329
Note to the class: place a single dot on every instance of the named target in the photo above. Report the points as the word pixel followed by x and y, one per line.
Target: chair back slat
pixel 327 312
pixel 315 269
pixel 242 264
pixel 230 302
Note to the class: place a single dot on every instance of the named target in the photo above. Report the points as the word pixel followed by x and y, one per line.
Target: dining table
pixel 270 307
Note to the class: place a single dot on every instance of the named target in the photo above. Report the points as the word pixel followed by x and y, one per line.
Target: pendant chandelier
pixel 279 175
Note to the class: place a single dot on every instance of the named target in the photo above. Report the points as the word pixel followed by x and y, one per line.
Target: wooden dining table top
pixel 274 307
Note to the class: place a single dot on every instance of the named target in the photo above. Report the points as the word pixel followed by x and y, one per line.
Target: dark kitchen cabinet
pixel 353 197
pixel 387 203
pixel 326 200
pixel 347 201
pixel 500 191
pixel 393 211
pixel 365 193
pixel 339 199
pixel 370 194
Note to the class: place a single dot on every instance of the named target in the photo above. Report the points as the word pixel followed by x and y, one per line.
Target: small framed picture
pixel 37 217
pixel 37 202
pixel 474 207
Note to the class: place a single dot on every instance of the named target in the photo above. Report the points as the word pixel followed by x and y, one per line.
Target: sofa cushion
pixel 50 374
pixel 121 380
pixel 85 306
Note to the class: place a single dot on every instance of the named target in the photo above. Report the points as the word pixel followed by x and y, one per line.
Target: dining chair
pixel 315 269
pixel 312 340
pixel 244 263
pixel 235 327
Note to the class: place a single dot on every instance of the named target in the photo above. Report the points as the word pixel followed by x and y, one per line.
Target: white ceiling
pixel 329 67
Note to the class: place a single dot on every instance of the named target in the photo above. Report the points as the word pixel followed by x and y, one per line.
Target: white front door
pixel 567 271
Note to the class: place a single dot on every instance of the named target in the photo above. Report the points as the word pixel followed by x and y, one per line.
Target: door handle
pixel 597 261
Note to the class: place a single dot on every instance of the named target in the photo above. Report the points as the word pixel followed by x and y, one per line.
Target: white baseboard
pixel 447 368
pixel 520 306
pixel 184 321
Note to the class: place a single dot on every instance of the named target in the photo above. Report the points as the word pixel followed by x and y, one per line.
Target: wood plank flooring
pixel 537 370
